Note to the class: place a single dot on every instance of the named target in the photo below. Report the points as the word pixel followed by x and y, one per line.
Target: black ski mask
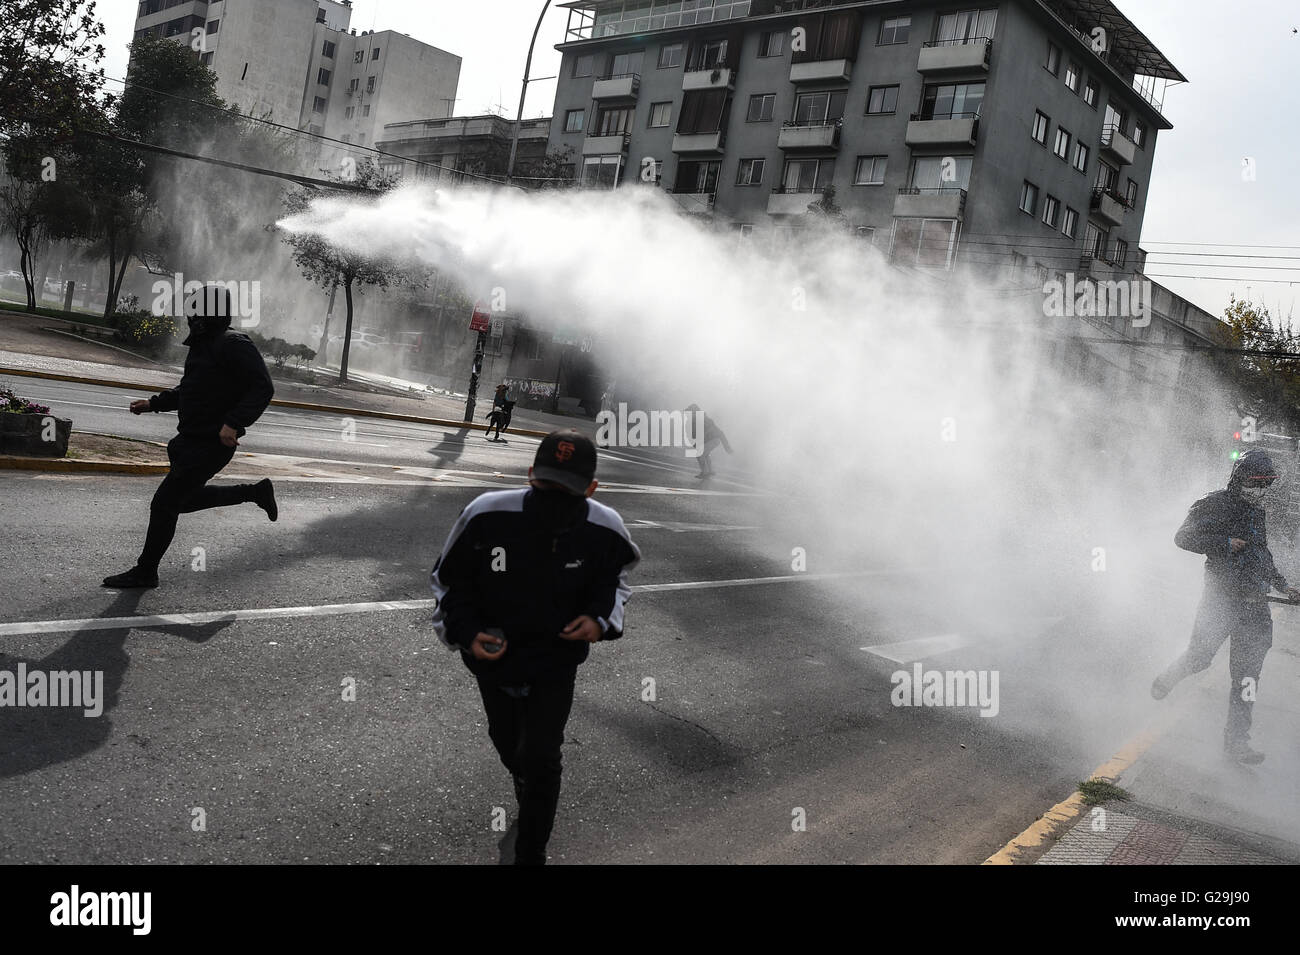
pixel 207 312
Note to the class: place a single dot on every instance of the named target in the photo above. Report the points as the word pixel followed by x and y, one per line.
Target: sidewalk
pixel 1190 804
pixel 26 345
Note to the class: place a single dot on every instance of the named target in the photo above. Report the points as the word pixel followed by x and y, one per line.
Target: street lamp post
pixel 519 117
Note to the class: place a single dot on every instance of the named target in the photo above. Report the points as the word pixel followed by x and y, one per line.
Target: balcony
pixel 810 136
pixel 620 86
pixel 698 142
pixel 955 56
pixel 694 203
pixel 792 203
pixel 821 71
pixel 1115 145
pixel 944 202
pixel 605 145
pixel 959 129
pixel 713 78
pixel 1094 266
pixel 1108 207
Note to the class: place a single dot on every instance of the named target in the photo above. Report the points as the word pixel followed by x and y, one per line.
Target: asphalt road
pixel 772 688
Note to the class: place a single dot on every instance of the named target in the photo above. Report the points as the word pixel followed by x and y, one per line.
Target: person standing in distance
pixel 527 580
pixel 224 389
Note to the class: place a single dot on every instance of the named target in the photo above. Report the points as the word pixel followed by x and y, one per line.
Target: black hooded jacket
pixel 225 383
pixel 1222 515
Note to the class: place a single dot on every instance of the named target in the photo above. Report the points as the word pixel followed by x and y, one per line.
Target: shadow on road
pixel 451 447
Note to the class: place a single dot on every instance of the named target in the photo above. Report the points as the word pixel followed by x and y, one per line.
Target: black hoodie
pixel 225 383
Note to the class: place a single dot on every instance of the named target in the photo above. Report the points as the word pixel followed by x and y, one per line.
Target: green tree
pixel 49 50
pixel 1267 385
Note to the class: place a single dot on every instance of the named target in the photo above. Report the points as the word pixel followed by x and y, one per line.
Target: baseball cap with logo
pixel 568 458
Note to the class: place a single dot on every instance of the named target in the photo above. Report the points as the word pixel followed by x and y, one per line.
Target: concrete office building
pixel 1018 133
pixel 300 63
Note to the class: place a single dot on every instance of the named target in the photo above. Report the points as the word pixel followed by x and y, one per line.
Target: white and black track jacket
pixel 511 564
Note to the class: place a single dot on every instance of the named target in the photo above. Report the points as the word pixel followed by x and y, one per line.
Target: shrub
pixel 10 403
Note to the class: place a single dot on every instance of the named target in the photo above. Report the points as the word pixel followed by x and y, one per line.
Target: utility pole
pixel 519 118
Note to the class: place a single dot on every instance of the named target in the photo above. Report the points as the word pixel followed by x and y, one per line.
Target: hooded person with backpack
pixel 1228 528
pixel 224 389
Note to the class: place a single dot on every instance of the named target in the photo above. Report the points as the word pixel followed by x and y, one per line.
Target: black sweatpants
pixel 1224 615
pixel 526 724
pixel 194 462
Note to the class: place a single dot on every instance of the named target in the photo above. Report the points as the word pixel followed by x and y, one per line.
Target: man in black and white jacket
pixel 526 581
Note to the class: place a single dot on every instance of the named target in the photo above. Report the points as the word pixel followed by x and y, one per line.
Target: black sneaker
pixel 264 497
pixel 1240 751
pixel 135 578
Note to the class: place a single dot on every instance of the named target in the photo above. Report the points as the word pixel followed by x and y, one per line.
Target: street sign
pixel 481 320
pixel 498 326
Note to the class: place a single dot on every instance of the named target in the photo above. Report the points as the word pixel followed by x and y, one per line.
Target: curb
pixel 1053 824
pixel 78 465
pixel 299 405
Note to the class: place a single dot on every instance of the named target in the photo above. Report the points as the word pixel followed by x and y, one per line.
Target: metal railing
pixel 619 76
pixel 1112 130
pixel 959 41
pixel 917 117
pixel 804 123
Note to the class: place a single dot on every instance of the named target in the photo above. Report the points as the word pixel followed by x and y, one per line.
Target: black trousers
pixel 526 725
pixel 1223 615
pixel 194 462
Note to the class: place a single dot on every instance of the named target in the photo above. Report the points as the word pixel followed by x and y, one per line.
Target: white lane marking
pixel 336 610
pixel 298 437
pixel 680 528
pixel 907 651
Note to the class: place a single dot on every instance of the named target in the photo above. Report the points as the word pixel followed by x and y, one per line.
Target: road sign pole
pixel 479 347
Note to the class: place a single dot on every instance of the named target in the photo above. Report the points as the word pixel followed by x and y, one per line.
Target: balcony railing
pixel 931 202
pixel 617 86
pixel 959 42
pixel 939 56
pixel 925 117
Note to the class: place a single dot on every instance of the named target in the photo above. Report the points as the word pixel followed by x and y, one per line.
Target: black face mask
pixel 556 509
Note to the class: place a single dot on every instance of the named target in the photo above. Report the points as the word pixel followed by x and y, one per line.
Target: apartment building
pixel 457 148
pixel 1017 134
pixel 302 64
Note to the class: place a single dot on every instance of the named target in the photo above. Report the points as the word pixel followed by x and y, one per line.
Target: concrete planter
pixel 34 434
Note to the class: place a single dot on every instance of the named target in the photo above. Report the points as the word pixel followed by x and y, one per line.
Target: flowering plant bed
pixel 29 428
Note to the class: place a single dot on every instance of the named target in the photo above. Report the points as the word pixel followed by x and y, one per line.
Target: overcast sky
pixel 1236 105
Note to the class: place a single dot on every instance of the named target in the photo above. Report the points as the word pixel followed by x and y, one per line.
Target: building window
pixel 1029 198
pixel 323 77
pixel 347 113
pixel 1041 122
pixel 1121 253
pixel 745 230
pixel 882 99
pixel 359 56
pixel 1051 210
pixel 1131 194
pixel 1090 92
pixel 1017 264
pixel 751 172
pixel 761 106
pixel 661 114
pixel 1062 145
pixel 1107 176
pixel 614 122
pixel 328 50
pixel 370 84
pixel 206 58
pixel 698 177
pixel 346 137
pixel 966 26
pixel 819 109
pixel 1116 120
pixel 318 105
pixel 867 234
pixel 807 175
pixel 361 137
pixel 365 110
pixel 573 120
pixel 1053 62
pixel 707 55
pixel 1139 135
pixel 215 25
pixel 952 101
pixel 870 171
pixel 894 30
pixel 1071 225
pixel 1080 157
pixel 703 111
pixel 1072 77
pixel 670 55
pixel 354 84
pixel 375 55
pixel 626 64
pixel 1094 242
pixel 941 173
pixel 771 43
pixel 925 243
pixel 584 65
